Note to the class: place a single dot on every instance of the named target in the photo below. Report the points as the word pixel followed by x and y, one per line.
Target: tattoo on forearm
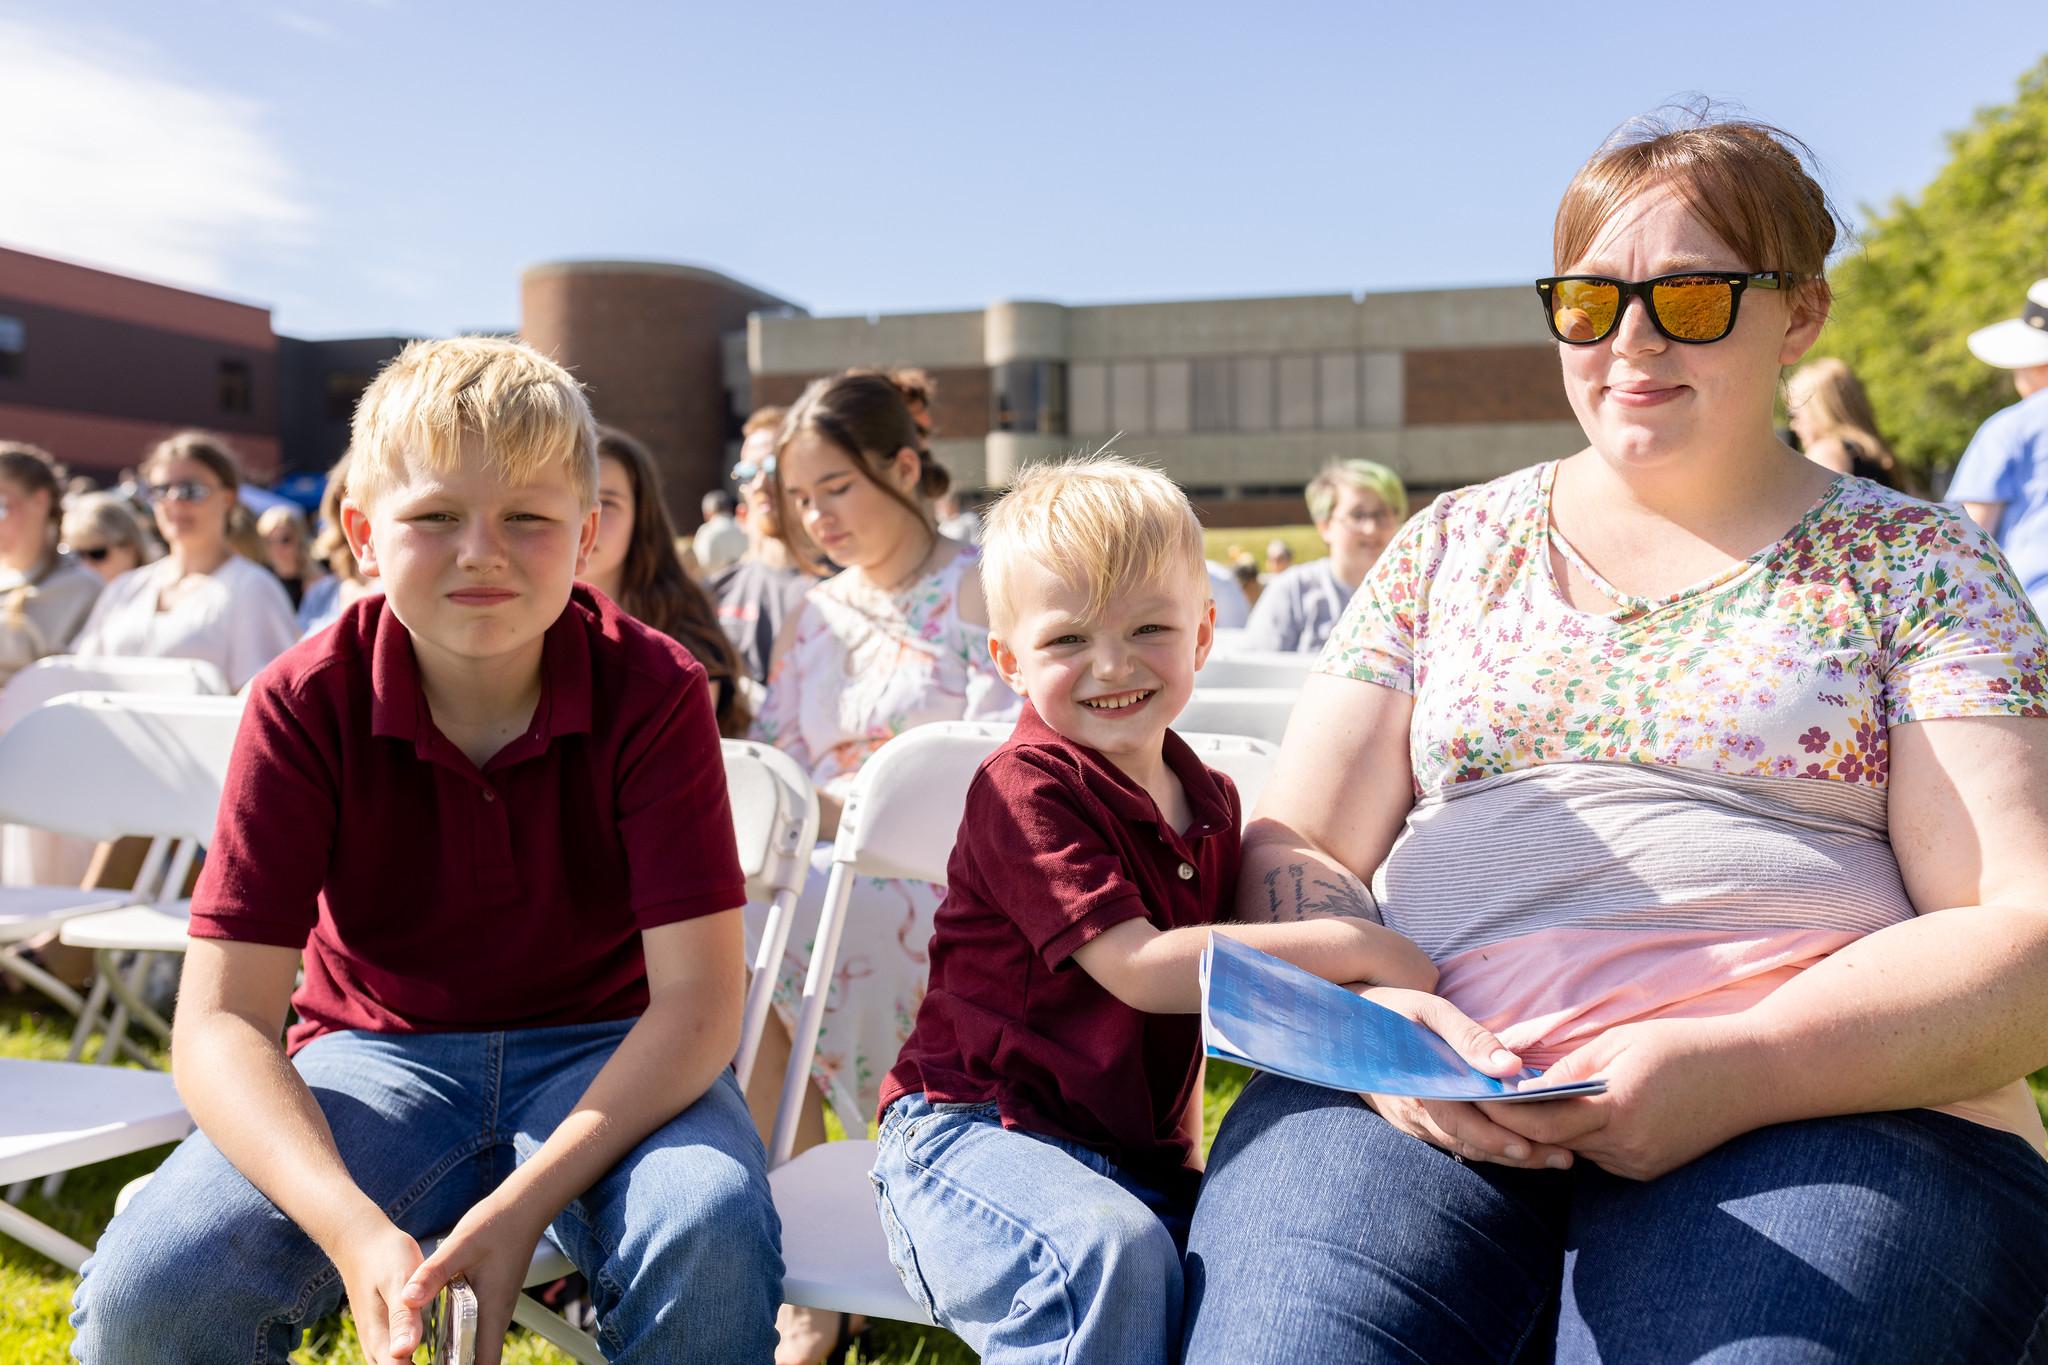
pixel 1298 891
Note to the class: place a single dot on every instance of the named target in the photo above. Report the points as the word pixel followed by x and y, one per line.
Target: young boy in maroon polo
pixel 491 811
pixel 1036 1167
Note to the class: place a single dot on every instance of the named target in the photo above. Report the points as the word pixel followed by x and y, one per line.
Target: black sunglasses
pixel 1694 307
pixel 95 553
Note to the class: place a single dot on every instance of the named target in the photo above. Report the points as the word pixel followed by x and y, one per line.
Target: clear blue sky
pixel 369 166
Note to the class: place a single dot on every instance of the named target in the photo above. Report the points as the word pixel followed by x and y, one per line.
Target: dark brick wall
pixel 1495 384
pixel 648 346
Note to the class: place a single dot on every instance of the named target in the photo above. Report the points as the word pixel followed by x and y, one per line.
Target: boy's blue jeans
pixel 1029 1248
pixel 679 1241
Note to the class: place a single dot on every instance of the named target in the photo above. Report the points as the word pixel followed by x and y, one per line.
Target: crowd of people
pixel 1683 762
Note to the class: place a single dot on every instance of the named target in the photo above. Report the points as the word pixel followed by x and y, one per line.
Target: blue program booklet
pixel 1272 1015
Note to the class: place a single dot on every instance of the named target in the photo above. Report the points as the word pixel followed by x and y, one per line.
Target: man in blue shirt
pixel 2002 479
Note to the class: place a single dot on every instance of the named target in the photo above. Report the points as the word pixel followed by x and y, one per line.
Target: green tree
pixel 1929 271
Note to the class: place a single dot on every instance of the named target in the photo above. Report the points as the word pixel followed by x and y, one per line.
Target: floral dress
pixel 860 668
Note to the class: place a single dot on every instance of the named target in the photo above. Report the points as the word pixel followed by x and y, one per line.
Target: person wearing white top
pixel 202 600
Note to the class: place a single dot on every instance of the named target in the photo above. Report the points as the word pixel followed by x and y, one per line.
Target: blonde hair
pixel 113 521
pixel 1376 479
pixel 527 411
pixel 278 515
pixel 1102 522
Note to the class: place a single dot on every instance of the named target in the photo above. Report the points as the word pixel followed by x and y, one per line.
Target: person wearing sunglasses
pixel 1697 769
pixel 102 532
pixel 44 593
pixel 758 591
pixel 201 600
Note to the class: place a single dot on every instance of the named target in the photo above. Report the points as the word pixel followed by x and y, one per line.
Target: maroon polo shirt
pixel 432 897
pixel 1056 846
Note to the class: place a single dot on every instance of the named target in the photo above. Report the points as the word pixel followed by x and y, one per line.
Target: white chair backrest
pixel 104 765
pixel 905 806
pixel 1266 668
pixel 1246 761
pixel 47 679
pixel 1259 712
pixel 774 815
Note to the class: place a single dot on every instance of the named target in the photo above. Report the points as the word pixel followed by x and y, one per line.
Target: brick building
pixel 96 367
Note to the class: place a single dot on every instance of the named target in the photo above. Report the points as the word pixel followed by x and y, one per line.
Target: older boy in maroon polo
pixel 491 811
pixel 1036 1167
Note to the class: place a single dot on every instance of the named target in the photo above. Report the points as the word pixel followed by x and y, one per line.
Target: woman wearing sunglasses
pixel 201 600
pixel 102 532
pixel 44 593
pixel 1699 769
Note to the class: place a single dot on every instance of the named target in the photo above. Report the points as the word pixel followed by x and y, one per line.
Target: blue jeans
pixel 1324 1233
pixel 1029 1248
pixel 679 1241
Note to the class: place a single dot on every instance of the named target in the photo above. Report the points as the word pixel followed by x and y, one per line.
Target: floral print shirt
pixel 1875 610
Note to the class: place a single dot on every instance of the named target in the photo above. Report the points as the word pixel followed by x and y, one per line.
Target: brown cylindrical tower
pixel 646 337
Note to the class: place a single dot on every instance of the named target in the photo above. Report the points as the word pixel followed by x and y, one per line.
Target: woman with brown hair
pixel 343 582
pixel 1705 773
pixel 202 600
pixel 898 638
pixel 45 594
pixel 636 565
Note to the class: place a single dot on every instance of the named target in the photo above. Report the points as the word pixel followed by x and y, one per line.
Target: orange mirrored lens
pixel 1694 309
pixel 1583 310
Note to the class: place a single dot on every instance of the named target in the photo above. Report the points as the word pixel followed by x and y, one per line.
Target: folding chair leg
pixel 44 1240
pixel 535 1318
pixel 803 1043
pixel 761 985
pixel 17 966
pixel 128 990
pixel 94 1012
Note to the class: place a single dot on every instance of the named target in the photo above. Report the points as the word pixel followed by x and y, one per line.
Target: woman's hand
pixel 376 1264
pixel 492 1246
pixel 1676 1089
pixel 1459 1126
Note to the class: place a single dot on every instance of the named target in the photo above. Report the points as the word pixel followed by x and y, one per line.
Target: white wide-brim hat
pixel 2017 343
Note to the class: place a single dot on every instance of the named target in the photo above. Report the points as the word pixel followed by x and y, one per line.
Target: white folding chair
pixel 899 821
pixel 775 821
pixel 60 1116
pixel 102 766
pixel 30 857
pixel 1260 712
pixel 1261 668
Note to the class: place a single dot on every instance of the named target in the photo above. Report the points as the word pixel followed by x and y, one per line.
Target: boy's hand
pixel 376 1265
pixel 492 1246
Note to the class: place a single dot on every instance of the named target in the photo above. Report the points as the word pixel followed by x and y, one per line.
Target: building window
pixel 1337 390
pixel 344 388
pixel 13 342
pixel 1088 399
pixel 237 392
pixel 1211 395
pixel 1297 391
pixel 1253 392
pixel 1029 395
pixel 1170 379
pixel 1130 396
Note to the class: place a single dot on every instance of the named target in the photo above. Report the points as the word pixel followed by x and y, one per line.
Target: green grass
pixel 1219 541
pixel 35 1294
